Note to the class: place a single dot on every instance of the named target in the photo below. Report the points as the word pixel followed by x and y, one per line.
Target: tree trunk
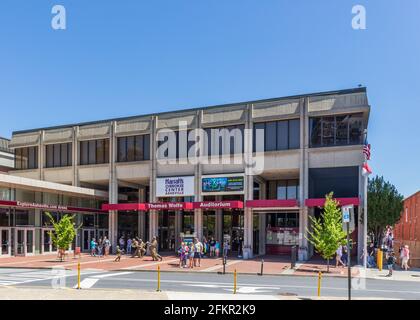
pixel 328 265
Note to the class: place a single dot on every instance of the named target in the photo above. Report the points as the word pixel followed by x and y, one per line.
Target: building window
pixel 283 189
pixel 26 158
pixel 58 155
pixel 94 151
pixel 279 135
pixel 133 148
pixel 342 181
pixel 336 130
pixel 176 144
pixel 224 140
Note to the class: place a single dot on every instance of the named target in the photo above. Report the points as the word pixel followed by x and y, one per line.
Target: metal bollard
pixel 224 264
pixel 262 267
pixel 78 275
pixel 380 259
pixel 293 260
pixel 158 281
pixel 319 283
pixel 234 282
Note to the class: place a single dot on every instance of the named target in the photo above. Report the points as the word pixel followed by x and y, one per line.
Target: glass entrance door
pixel 87 236
pixel 25 242
pixel 166 230
pixel 47 245
pixel 233 230
pixel 5 237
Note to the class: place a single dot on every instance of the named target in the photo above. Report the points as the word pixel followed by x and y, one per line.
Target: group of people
pixel 100 248
pixel 136 247
pixel 341 256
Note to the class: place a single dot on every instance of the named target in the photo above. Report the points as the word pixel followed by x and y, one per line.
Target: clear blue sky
pixel 121 58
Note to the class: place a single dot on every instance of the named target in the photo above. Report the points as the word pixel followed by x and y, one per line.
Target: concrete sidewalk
pixel 11 293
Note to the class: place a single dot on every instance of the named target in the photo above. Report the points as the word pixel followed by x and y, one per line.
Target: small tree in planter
pixel 328 233
pixel 64 233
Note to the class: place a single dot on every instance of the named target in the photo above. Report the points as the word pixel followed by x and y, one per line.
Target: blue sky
pixel 121 58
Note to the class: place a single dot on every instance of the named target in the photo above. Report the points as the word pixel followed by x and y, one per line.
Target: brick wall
pixel 407 230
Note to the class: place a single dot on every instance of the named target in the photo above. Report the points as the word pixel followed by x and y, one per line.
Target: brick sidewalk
pixel 273 265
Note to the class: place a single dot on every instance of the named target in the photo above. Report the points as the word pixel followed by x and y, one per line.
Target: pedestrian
pixel 107 244
pixel 119 253
pixel 226 248
pixel 93 247
pixel 217 248
pixel 100 247
pixel 344 256
pixel 212 244
pixel 181 252
pixel 122 243
pixel 371 256
pixel 390 262
pixel 405 256
pixel 141 248
pixel 338 255
pixel 198 251
pixel 129 243
pixel 191 249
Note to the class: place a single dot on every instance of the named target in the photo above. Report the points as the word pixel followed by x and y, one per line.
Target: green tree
pixel 385 206
pixel 327 230
pixel 63 234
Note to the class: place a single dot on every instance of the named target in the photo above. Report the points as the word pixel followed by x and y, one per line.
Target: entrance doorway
pixel 5 242
pixel 87 236
pixel 233 229
pixel 24 242
pixel 166 232
pixel 47 244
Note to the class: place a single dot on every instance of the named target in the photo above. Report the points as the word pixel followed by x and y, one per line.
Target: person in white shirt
pixel 198 251
pixel 338 255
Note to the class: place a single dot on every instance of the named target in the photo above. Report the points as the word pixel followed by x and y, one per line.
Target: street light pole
pixel 365 226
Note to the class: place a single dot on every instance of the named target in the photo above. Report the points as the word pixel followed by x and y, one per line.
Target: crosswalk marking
pixel 15 278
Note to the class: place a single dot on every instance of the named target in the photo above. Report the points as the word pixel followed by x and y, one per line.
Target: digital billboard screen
pixel 223 184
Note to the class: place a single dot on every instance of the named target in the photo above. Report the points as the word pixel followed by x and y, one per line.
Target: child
pixel 119 253
pixel 181 252
pixel 217 248
pixel 390 262
pixel 191 255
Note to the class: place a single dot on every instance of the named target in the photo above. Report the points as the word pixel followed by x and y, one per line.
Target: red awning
pixel 272 203
pixel 148 206
pixel 46 207
pixel 218 205
pixel 341 201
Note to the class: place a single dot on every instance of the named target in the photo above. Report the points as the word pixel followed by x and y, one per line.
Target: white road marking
pixel 106 275
pixel 87 283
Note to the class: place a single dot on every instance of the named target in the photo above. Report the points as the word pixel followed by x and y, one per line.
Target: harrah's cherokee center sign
pixel 175 186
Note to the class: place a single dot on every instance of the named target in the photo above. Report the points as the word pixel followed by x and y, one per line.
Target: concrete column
pixel 218 233
pixel 153 214
pixel 75 157
pixel 249 189
pixel 41 155
pixel 262 220
pixel 303 178
pixel 113 188
pixel 198 213
pixel 141 214
pixel 178 228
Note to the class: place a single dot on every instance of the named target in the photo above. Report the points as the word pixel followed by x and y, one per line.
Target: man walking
pixel 153 250
pixel 405 256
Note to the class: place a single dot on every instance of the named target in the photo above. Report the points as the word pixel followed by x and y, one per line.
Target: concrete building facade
pixel 309 144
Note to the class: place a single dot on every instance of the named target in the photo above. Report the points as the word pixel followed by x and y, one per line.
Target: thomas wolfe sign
pixel 175 186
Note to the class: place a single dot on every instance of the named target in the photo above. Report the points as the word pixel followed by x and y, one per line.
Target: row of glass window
pixel 274 135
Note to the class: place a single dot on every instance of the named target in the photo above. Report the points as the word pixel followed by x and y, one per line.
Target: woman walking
pixel 405 256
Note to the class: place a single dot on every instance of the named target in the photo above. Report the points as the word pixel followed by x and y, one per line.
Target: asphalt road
pixel 210 283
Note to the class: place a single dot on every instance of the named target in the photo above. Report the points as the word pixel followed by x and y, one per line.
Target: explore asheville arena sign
pixel 175 186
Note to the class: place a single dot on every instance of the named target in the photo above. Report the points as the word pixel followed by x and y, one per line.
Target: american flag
pixel 366 150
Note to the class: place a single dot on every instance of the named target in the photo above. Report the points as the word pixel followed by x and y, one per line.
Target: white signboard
pixel 175 186
pixel 346 214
